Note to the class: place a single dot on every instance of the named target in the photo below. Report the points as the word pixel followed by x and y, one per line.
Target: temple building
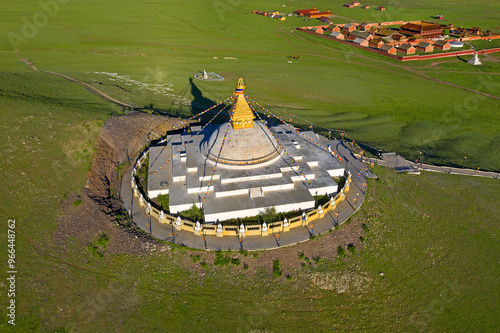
pixel 421 29
pixel 241 167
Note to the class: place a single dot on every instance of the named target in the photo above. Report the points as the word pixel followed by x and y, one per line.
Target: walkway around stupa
pixel 344 208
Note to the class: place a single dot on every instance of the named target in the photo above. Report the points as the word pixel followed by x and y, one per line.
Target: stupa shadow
pixel 199 102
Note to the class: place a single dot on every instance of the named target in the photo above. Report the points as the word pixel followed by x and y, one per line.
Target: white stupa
pixel 254 168
pixel 474 60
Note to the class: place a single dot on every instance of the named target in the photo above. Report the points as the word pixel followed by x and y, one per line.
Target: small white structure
pixel 220 231
pixel 456 43
pixel 474 60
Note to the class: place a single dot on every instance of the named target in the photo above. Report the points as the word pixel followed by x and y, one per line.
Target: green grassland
pixel 434 236
pixel 383 103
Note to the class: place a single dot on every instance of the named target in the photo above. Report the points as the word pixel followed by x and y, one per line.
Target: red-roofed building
pixel 320 14
pixel 424 29
pixel 306 12
pixel 313 13
pixel 352 4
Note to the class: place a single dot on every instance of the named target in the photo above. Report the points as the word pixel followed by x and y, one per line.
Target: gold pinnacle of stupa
pixel 243 116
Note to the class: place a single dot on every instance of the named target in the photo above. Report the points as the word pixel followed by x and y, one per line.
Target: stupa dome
pixel 242 146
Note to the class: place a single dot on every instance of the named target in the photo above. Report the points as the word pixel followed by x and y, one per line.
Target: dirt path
pixel 86 85
pixel 94 90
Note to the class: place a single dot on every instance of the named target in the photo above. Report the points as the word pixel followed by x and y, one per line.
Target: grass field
pixel 381 102
pixel 434 237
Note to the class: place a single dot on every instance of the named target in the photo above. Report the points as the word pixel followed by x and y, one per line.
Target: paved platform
pixel 345 209
pixel 246 189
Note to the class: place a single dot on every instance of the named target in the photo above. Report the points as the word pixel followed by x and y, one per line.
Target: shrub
pixel 93 249
pixel 194 213
pixel 103 241
pixel 245 266
pixel 143 173
pixel 361 238
pixel 120 167
pixel 196 258
pixel 341 252
pixel 221 259
pixel 337 227
pixel 235 261
pixel 351 248
pixel 163 201
pixel 317 259
pixel 321 199
pixel 277 271
pixel 365 227
pixel 301 255
pixel 204 264
pixel 77 202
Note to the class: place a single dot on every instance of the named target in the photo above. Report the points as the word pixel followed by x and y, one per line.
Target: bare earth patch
pixel 97 208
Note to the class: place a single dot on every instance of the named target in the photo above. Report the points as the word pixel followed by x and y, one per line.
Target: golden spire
pixel 243 115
